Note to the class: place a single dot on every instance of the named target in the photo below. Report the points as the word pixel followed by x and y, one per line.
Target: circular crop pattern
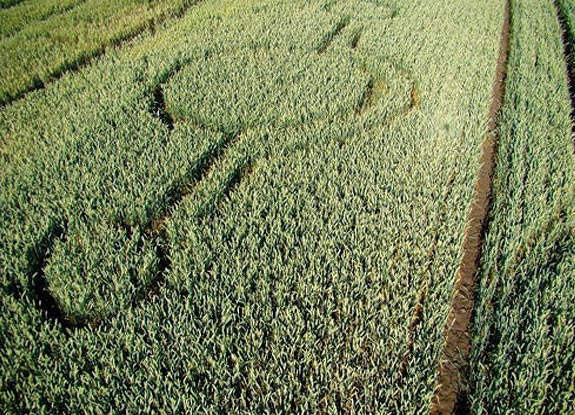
pixel 244 88
pixel 232 93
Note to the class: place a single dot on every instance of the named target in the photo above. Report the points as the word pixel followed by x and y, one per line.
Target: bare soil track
pixel 450 396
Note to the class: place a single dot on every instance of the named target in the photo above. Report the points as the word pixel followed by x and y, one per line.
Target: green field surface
pixel 258 207
pixel 14 19
pixel 54 42
pixel 567 10
pixel 523 351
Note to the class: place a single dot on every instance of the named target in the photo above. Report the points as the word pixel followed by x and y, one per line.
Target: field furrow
pixel 451 396
pixel 5 4
pixel 522 338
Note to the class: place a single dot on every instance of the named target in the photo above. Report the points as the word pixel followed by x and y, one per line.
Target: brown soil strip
pixel 450 396
pixel 332 34
pixel 568 40
pixel 85 59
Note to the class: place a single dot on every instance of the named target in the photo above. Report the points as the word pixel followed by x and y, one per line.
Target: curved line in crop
pixel 155 229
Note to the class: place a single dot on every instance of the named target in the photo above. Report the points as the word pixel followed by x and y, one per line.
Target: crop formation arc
pixel 278 85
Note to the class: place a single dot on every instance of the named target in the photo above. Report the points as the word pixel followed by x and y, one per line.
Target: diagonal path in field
pixel 209 170
pixel 85 59
pixel 449 397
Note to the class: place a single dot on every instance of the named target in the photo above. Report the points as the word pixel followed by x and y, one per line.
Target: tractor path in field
pixel 568 40
pixel 87 59
pixel 450 397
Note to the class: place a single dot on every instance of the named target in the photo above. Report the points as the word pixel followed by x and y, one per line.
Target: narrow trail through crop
pixel 366 98
pixel 450 396
pixel 375 86
pixel 85 59
pixel 199 173
pixel 355 40
pixel 331 35
pixel 568 40
pixel 200 170
pixel 159 108
pixel 209 180
pixel 157 228
pixel 39 285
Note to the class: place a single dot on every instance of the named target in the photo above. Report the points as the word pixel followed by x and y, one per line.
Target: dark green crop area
pixel 244 209
pixel 14 19
pixel 567 13
pixel 4 4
